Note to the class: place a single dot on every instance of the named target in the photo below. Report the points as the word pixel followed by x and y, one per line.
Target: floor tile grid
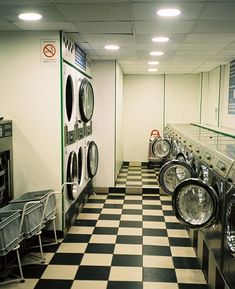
pixel 137 176
pixel 122 241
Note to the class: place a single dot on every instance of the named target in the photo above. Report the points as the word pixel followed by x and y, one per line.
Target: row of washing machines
pixel 80 151
pixel 199 172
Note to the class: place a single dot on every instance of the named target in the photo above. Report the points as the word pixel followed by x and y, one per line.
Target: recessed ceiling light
pixel 30 16
pixel 111 47
pixel 152 69
pixel 156 53
pixel 160 39
pixel 168 12
pixel 153 62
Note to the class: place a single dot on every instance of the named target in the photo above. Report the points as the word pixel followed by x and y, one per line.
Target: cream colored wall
pixel 182 98
pixel 153 101
pixel 119 120
pixel 30 96
pixel 103 73
pixel 142 112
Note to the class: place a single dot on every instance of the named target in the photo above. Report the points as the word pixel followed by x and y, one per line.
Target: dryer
pixel 69 103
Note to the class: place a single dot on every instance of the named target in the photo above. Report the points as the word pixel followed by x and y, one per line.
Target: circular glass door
pixel 71 175
pixel 161 148
pixel 69 97
pixel 80 168
pixel 230 227
pixel 86 100
pixel 195 204
pixel 173 173
pixel 92 159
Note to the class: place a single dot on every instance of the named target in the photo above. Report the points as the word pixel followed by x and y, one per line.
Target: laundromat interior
pixel 117 144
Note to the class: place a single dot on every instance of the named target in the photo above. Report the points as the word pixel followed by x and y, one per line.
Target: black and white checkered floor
pixel 120 241
pixel 137 175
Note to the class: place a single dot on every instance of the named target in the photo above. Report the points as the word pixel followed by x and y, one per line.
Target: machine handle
pixel 155 132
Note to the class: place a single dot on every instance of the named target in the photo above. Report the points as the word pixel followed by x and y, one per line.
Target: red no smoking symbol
pixel 49 50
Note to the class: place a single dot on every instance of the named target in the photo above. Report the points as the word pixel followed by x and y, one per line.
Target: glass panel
pixel 161 148
pixel 72 174
pixel 69 97
pixel 230 227
pixel 195 205
pixel 174 175
pixel 80 165
pixel 86 100
pixel 93 159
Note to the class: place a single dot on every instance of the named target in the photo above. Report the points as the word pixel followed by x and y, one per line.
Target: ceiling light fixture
pixel 153 62
pixel 152 69
pixel 111 47
pixel 160 39
pixel 169 12
pixel 156 53
pixel 30 16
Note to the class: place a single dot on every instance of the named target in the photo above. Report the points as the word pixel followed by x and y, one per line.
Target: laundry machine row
pixel 203 198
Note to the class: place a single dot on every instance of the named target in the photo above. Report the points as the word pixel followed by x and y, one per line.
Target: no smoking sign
pixel 49 51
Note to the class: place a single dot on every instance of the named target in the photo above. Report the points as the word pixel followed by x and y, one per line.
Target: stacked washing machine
pixel 80 152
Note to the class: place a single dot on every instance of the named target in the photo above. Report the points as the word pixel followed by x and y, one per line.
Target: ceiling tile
pixel 198 52
pixel 97 12
pixel 49 12
pixel 103 39
pixel 7 26
pixel 218 11
pixel 163 27
pixel 154 46
pixel 65 26
pixel 202 46
pixel 147 11
pixel 104 27
pixel 204 26
pixel 210 37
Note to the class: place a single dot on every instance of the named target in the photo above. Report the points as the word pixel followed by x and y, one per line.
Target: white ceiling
pixel 201 38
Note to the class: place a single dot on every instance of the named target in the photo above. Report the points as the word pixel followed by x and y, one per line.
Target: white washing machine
pixel 69 102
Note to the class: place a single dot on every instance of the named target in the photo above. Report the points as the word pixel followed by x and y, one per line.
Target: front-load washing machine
pixel 228 268
pixel 69 103
pixel 198 202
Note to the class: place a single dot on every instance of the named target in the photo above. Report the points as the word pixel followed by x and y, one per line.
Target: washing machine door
pixel 92 159
pixel 161 148
pixel 195 203
pixel 80 165
pixel 86 100
pixel 230 226
pixel 69 97
pixel 172 173
pixel 71 175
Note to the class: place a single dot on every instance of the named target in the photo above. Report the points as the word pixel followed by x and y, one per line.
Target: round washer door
pixel 230 227
pixel 80 166
pixel 71 175
pixel 92 159
pixel 173 173
pixel 86 100
pixel 69 97
pixel 195 203
pixel 161 148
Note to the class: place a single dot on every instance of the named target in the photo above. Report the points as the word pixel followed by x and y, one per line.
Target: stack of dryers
pixel 86 109
pixel 78 107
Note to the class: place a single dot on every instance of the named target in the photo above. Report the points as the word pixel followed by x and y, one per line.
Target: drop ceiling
pixel 201 38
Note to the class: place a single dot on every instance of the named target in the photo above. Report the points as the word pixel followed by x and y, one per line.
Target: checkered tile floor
pixel 120 241
pixel 137 176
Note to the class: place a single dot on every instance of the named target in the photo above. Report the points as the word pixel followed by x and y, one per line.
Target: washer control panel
pixel 5 128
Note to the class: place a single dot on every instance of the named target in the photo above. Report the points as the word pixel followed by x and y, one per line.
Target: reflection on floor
pixel 137 175
pixel 120 241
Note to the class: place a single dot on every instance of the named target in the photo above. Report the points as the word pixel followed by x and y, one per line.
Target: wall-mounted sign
pixel 49 51
pixel 80 57
pixel 231 96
